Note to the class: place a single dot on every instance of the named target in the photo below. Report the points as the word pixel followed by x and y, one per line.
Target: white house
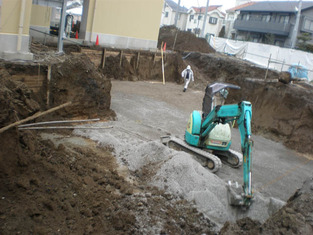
pixel 214 21
pixel 169 12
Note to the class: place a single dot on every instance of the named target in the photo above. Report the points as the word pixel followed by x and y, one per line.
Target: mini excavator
pixel 208 138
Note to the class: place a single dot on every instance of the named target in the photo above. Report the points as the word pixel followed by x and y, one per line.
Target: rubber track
pixel 217 162
pixel 233 154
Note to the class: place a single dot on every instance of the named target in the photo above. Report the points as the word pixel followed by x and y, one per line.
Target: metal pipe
pixel 205 17
pixel 21 26
pixel 61 27
pixel 93 20
pixel 62 121
pixel 63 127
pixel 295 29
pixel 177 12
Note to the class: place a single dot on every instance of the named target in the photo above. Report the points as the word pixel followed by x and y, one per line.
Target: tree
pixel 269 38
pixel 303 42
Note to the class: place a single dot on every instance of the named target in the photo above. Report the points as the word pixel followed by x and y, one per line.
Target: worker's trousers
pixel 187 80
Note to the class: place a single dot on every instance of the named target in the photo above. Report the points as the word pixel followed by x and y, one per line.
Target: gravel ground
pixel 146 111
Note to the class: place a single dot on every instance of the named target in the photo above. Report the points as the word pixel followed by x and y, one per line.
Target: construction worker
pixel 187 74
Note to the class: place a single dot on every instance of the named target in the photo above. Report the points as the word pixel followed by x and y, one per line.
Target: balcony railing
pixel 263 27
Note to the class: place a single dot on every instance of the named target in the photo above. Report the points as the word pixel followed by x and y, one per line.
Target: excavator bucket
pixel 235 196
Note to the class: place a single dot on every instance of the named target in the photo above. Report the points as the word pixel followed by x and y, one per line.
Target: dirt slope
pixel 294 218
pixel 77 80
pixel 76 187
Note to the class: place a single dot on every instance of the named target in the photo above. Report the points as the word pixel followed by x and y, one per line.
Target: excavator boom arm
pixel 241 112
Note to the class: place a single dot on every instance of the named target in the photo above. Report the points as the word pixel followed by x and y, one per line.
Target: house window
pixel 266 18
pixel 213 20
pixel 256 17
pixel 245 16
pixel 166 14
pixel 191 17
pixel 284 19
pixel 308 25
pixel 199 17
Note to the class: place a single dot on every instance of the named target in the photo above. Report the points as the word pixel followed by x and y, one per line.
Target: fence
pixel 268 56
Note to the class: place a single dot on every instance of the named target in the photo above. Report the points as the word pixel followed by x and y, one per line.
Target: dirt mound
pixel 218 67
pixel 185 41
pixel 76 189
pixel 77 80
pixel 147 69
pixel 294 218
pixel 282 112
pixel 48 187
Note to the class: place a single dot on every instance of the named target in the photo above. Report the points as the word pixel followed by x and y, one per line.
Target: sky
pixel 226 3
pixel 196 3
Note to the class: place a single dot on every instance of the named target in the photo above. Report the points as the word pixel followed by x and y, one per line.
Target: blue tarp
pixel 298 71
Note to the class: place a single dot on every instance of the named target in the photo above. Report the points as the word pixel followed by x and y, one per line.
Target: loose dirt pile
pixel 294 218
pixel 16 100
pixel 177 173
pixel 77 80
pixel 76 187
pixel 184 41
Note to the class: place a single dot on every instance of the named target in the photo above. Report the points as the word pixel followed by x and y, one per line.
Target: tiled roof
pixel 174 6
pixel 240 6
pixel 202 9
pixel 274 6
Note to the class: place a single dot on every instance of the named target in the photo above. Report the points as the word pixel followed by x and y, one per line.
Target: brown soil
pixel 75 190
pixel 147 69
pixel 77 80
pixel 185 41
pixel 47 189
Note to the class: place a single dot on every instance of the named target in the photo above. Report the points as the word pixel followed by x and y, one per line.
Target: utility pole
pixel 61 27
pixel 295 29
pixel 204 20
pixel 177 12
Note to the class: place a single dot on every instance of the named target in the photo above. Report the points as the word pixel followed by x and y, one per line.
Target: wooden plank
pixel 121 58
pixel 36 115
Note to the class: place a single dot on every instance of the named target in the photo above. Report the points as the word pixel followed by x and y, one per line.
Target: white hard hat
pixel 188 67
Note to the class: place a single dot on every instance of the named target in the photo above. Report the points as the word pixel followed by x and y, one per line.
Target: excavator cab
pixel 218 139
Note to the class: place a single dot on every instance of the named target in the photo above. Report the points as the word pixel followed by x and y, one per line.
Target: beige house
pixel 15 18
pixel 122 23
pixel 119 23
